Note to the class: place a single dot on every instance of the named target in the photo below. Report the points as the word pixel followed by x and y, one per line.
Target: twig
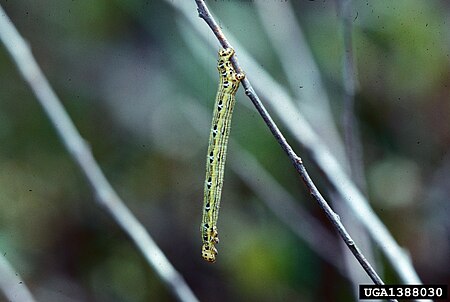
pixel 296 160
pixel 78 149
pixel 11 284
pixel 318 152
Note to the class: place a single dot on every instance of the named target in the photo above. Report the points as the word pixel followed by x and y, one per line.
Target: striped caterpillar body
pixel 217 150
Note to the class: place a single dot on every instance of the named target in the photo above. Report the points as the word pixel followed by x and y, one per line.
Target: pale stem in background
pixel 11 284
pixel 301 70
pixel 353 144
pixel 79 150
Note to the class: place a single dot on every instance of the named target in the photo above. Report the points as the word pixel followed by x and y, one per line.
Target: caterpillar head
pixel 226 53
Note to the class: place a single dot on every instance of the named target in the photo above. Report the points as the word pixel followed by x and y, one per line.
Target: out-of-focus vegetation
pixel 127 76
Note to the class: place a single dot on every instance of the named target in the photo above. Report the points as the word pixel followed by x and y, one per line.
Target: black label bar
pixel 371 291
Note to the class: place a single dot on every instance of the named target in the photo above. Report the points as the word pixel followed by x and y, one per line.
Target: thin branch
pixel 78 149
pixel 319 153
pixel 296 160
pixel 11 284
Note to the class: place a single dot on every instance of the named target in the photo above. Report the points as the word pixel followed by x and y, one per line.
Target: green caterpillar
pixel 217 151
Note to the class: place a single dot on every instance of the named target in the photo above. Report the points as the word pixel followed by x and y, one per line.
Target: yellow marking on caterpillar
pixel 217 151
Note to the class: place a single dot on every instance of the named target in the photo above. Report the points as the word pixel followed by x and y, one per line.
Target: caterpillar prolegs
pixel 217 151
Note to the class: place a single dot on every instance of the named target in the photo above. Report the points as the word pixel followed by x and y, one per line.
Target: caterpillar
pixel 217 151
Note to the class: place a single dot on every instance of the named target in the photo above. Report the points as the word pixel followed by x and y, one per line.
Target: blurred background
pixel 139 81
